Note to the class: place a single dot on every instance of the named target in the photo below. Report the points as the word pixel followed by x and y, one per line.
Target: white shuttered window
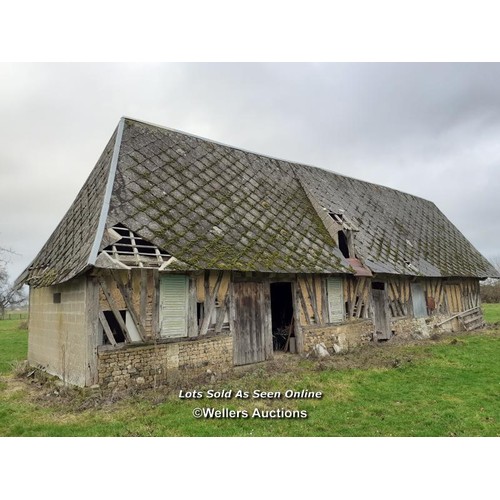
pixel 335 299
pixel 173 305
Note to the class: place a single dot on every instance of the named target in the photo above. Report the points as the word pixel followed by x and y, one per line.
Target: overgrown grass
pixel 448 387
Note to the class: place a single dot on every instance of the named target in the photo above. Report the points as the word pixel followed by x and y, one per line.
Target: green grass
pixel 491 313
pixel 13 343
pixel 449 387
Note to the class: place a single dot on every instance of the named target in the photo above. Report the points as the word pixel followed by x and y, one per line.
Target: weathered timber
pixel 107 329
pixel 125 292
pixel 211 305
pixel 303 303
pixel 114 308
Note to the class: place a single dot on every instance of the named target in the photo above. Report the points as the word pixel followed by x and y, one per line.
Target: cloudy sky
pixel 432 130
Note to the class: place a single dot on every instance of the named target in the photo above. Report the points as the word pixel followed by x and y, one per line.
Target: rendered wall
pixel 58 335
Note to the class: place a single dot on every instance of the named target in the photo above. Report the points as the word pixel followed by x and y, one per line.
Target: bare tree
pixel 9 295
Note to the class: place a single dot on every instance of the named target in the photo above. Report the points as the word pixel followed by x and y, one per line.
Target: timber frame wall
pixel 138 292
pixel 209 341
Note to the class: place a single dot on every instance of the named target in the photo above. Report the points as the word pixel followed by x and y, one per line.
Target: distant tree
pixel 9 295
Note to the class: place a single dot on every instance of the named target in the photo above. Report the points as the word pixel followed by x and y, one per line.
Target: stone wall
pixel 58 341
pixel 152 365
pixel 346 335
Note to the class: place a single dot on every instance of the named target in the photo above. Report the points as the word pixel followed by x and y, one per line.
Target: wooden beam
pixel 303 302
pixel 312 297
pixel 107 329
pixel 299 337
pixel 221 314
pixel 114 308
pixel 155 299
pixel 131 309
pixel 144 292
pixel 211 304
pixel 192 313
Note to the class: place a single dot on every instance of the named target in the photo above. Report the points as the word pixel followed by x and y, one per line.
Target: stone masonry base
pixel 153 365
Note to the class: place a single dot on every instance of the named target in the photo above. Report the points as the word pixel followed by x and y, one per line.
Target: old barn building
pixel 180 254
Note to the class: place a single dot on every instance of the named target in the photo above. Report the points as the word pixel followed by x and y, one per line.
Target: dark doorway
pixel 282 316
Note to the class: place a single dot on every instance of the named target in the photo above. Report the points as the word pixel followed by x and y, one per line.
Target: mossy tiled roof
pixel 213 206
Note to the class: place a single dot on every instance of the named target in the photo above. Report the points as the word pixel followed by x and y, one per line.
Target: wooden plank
pixel 192 313
pixel 312 298
pixel 321 314
pixel 355 299
pixel 155 299
pixel 381 318
pixel 221 313
pixel 92 329
pixel 211 305
pixel 324 301
pixel 349 302
pixel 144 292
pixel 114 308
pixel 251 331
pixel 299 337
pixel 107 329
pixel 131 309
pixel 303 303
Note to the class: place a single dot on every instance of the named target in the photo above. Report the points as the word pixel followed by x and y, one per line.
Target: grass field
pixel 447 387
pixel 491 313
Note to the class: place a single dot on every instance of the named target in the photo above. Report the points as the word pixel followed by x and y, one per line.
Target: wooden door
pixel 252 335
pixel 381 314
pixel 418 301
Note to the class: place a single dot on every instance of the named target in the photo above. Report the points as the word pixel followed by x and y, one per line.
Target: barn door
pixel 381 312
pixel 252 335
pixel 418 300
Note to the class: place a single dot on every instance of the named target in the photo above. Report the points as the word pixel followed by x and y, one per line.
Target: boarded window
pixel 173 305
pixel 335 299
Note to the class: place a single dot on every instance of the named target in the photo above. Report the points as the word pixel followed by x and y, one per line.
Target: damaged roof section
pixel 188 203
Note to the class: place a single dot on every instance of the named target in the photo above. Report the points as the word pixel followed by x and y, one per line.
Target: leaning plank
pixel 211 305
pixel 114 308
pixel 303 303
pixel 107 329
pixel 312 297
pixel 131 309
pixel 221 314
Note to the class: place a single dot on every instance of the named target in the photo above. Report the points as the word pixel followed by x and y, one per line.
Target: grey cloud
pixel 428 129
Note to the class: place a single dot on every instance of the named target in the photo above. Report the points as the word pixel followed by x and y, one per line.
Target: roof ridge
pixel 107 194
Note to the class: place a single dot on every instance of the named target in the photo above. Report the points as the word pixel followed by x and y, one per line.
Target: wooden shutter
pixel 173 305
pixel 335 299
pixel 418 299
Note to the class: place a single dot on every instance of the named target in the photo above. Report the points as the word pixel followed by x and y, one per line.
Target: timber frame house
pixel 181 255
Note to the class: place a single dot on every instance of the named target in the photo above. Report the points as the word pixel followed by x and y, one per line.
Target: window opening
pixel 115 326
pixel 343 244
